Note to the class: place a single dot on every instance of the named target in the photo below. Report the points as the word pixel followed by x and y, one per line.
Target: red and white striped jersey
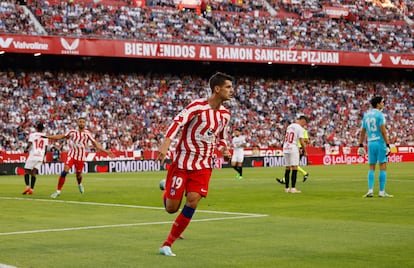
pixel 78 142
pixel 203 128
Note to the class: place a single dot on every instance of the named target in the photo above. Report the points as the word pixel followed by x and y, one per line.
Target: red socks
pixel 61 182
pixel 179 225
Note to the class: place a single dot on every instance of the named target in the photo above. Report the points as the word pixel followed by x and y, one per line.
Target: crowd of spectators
pixel 153 23
pixel 131 111
pixel 409 9
pixel 362 10
pixel 271 31
pixel 252 23
pixel 13 19
pixel 389 38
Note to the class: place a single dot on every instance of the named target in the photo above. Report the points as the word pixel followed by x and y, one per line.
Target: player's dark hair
pixel 40 126
pixel 218 79
pixel 375 100
pixel 304 117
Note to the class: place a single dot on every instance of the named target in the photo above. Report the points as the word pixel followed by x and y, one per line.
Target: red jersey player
pixel 78 141
pixel 204 125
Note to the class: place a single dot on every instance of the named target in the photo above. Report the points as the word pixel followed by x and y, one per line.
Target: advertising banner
pixel 316 154
pixel 122 166
pixel 198 52
pixel 336 12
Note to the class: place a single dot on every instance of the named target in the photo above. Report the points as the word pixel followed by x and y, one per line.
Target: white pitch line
pixel 236 216
pixel 124 205
pixel 122 225
pixel 2 265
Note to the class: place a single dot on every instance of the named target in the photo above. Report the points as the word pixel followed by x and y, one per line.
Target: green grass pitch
pixel 119 221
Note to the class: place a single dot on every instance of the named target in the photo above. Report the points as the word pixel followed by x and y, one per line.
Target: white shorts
pixel 291 159
pixel 31 164
pixel 237 157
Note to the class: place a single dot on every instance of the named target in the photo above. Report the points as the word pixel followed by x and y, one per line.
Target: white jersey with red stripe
pixel 293 133
pixel 38 147
pixel 203 128
pixel 78 142
pixel 238 142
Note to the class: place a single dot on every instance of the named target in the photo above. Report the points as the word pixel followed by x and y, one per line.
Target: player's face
pixel 226 90
pixel 380 105
pixel 81 123
pixel 303 122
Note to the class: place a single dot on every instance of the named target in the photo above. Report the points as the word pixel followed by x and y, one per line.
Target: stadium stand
pixel 14 19
pixel 127 110
pixel 369 25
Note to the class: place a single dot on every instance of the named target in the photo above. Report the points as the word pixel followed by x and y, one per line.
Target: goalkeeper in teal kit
pixel 373 126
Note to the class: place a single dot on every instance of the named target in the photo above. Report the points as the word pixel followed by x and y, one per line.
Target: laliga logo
pixel 5 43
pixel 70 48
pixel 375 60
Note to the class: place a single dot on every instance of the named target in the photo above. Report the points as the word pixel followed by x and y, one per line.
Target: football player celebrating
pixel 78 141
pixel 204 124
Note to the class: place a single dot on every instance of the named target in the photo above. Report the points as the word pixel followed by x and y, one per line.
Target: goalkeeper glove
pixel 388 150
pixel 361 150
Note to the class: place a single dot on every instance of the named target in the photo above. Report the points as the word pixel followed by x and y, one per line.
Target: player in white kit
pixel 37 146
pixel 294 135
pixel 239 143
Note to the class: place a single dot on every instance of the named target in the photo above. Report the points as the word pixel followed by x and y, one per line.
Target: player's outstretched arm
pixel 55 137
pixel 101 148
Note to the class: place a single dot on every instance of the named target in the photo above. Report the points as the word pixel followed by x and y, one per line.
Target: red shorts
pixel 180 180
pixel 78 163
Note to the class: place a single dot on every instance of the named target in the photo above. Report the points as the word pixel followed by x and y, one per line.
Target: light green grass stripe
pixel 237 216
pixel 129 206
